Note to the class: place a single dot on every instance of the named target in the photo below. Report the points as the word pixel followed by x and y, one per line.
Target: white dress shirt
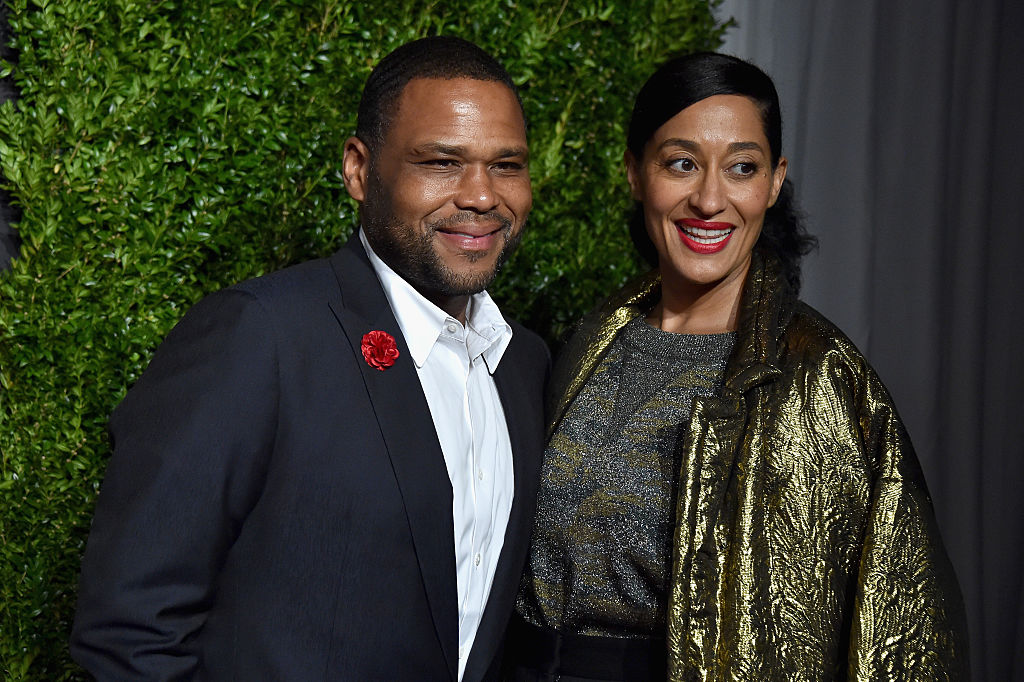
pixel 454 363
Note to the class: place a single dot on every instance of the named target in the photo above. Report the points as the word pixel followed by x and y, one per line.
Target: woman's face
pixel 705 182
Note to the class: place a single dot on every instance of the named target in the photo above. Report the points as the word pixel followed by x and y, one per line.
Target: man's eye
pixel 440 163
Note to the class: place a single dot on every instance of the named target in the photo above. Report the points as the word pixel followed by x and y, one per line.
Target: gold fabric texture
pixel 805 544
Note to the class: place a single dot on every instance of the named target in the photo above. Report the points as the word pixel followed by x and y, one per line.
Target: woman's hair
pixel 687 80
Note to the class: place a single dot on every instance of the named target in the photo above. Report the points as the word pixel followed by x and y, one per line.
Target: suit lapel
pixel 408 432
pixel 524 429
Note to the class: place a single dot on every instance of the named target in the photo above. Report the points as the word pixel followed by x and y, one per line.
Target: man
pixel 329 473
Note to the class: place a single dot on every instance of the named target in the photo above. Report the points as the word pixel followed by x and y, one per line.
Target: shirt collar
pixel 422 322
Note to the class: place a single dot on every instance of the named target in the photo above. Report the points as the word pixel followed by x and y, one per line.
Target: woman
pixel 728 492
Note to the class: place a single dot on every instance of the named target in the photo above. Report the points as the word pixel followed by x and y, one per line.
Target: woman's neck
pixel 690 308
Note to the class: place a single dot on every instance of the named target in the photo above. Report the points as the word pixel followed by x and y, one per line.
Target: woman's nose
pixel 709 196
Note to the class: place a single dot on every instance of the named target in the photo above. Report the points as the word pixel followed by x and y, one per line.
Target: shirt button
pixel 480 475
pixel 452 328
pixel 476 559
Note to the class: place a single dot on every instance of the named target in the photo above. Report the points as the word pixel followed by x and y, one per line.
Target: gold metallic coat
pixel 806 546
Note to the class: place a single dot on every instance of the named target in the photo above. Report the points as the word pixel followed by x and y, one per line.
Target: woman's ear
pixel 778 177
pixel 355 167
pixel 632 174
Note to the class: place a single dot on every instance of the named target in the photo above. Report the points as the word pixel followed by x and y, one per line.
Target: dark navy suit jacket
pixel 277 509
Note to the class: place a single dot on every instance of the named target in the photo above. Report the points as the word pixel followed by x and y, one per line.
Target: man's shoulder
pixel 290 298
pixel 527 340
pixel 527 355
pixel 295 281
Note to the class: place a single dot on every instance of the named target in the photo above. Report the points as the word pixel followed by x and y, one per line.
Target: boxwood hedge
pixel 162 149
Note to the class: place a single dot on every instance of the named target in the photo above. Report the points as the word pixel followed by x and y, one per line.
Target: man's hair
pixel 445 57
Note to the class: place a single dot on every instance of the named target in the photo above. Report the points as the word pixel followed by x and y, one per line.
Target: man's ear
pixel 355 167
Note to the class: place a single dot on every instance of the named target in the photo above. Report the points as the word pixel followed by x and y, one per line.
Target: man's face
pixel 445 198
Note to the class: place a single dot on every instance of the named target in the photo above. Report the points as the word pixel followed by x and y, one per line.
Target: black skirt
pixel 535 654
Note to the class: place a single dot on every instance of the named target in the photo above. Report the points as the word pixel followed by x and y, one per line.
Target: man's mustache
pixel 469 217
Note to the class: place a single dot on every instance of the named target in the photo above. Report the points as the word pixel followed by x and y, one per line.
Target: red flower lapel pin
pixel 379 349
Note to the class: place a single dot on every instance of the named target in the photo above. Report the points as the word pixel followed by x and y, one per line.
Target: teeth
pixel 703 236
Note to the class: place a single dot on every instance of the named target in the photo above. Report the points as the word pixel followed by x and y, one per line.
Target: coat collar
pixel 766 306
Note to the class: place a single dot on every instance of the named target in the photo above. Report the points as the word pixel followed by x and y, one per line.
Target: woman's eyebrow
pixel 693 146
pixel 679 142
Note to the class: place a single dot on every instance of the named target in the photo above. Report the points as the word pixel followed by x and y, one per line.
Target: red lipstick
pixel 703 236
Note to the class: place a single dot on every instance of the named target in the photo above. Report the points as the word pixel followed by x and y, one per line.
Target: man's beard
pixel 412 254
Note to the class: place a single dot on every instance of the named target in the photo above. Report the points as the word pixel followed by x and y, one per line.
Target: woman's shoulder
pixel 812 337
pixel 637 294
pixel 588 339
pixel 815 353
pixel 813 350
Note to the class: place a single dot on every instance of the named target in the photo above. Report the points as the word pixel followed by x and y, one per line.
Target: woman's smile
pixel 702 236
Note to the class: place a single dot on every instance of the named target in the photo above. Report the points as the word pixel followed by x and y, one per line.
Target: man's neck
pixel 453 305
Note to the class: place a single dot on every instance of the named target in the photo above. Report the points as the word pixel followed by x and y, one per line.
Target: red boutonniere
pixel 379 349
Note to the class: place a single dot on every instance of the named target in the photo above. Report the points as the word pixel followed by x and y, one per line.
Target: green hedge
pixel 163 149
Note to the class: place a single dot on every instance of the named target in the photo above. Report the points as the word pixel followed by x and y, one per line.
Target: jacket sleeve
pixel 191 442
pixel 909 621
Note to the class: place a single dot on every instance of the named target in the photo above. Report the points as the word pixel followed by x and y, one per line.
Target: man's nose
pixel 476 190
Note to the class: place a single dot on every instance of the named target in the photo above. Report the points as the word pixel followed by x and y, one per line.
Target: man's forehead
pixel 443 110
pixel 462 88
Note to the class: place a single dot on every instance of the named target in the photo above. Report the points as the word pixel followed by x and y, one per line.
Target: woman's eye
pixel 744 168
pixel 685 165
